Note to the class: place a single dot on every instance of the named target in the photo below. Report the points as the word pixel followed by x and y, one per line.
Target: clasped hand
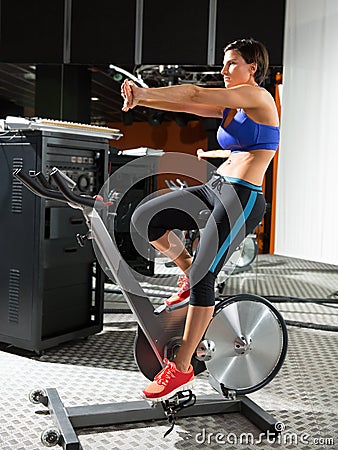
pixel 128 93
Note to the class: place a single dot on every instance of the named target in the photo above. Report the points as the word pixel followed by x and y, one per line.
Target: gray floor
pixel 101 369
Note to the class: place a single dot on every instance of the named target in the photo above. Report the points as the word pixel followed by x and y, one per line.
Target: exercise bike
pixel 243 348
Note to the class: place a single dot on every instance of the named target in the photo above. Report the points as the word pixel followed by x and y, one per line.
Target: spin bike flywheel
pixel 247 342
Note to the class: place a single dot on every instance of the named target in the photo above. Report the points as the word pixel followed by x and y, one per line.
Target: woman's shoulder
pixel 266 111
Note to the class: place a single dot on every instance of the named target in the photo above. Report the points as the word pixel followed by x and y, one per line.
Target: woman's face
pixel 236 70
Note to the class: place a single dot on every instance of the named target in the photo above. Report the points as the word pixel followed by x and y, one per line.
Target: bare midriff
pixel 248 166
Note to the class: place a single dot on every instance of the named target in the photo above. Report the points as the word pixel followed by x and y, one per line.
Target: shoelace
pixel 218 182
pixel 166 374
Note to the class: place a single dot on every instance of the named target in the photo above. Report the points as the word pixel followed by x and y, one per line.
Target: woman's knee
pixel 147 224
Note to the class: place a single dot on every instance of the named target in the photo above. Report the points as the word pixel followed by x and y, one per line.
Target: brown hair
pixel 252 51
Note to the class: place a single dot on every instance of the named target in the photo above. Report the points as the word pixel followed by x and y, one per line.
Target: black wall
pixel 262 20
pixel 176 33
pixel 105 31
pixel 31 31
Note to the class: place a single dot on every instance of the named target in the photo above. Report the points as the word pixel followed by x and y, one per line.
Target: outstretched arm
pixel 243 96
pixel 198 109
pixel 130 101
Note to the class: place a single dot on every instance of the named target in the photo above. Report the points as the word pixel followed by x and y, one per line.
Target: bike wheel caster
pixel 36 395
pixel 50 437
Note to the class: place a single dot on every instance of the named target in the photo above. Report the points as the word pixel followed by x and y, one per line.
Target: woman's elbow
pixel 188 93
pixel 194 93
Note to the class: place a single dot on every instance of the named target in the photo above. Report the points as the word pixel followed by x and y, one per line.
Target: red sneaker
pixel 182 294
pixel 169 381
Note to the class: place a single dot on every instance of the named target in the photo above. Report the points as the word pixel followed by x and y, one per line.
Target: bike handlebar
pixel 38 184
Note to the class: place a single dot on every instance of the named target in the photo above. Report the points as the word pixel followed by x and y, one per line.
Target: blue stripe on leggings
pixel 235 230
pixel 254 187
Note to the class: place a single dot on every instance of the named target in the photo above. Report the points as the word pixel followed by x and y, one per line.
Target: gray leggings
pixel 236 210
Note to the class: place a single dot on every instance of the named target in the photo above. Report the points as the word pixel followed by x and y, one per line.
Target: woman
pixel 249 135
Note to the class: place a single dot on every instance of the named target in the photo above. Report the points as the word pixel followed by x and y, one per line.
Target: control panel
pixel 82 166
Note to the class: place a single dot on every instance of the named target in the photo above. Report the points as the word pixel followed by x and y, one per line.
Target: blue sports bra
pixel 243 134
